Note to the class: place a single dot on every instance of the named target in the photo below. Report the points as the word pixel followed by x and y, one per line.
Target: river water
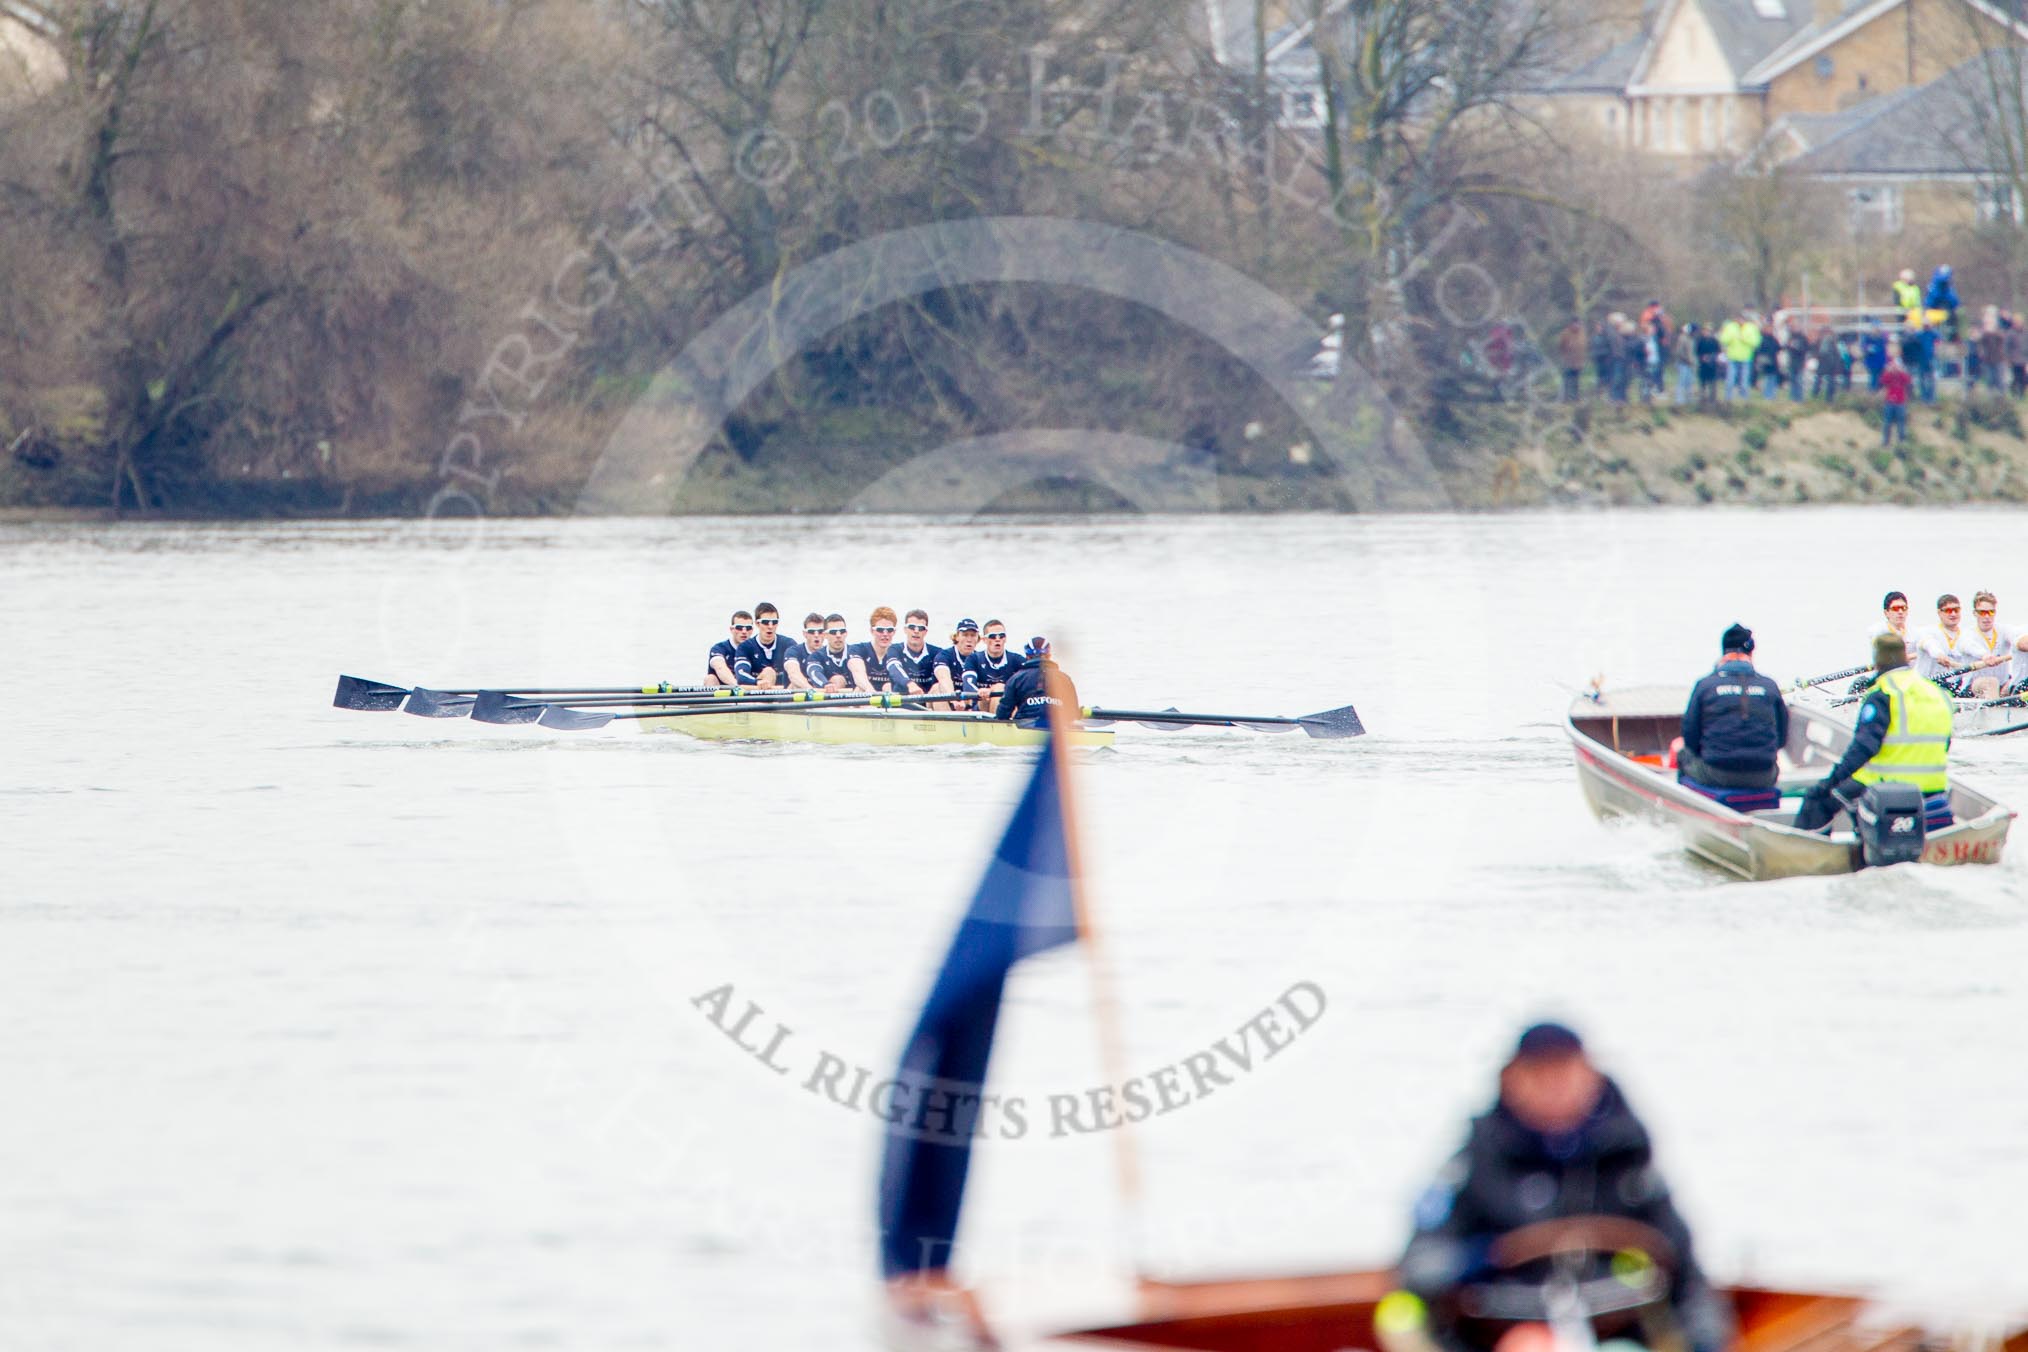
pixel 334 1029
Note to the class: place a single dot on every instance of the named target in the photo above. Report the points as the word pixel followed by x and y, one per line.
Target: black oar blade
pixel 1342 722
pixel 572 720
pixel 497 706
pixel 436 704
pixel 356 692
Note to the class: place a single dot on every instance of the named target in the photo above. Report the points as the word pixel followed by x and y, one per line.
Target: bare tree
pixel 1421 112
pixel 1760 225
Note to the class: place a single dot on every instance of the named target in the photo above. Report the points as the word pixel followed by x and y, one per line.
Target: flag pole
pixel 1112 1042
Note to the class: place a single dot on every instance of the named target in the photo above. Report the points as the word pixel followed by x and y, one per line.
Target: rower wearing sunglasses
pixel 1893 620
pixel 813 643
pixel 1934 651
pixel 831 667
pixel 911 663
pixel 869 671
pixel 718 666
pixel 1987 646
pixel 987 670
pixel 767 660
pixel 948 668
pixel 1893 617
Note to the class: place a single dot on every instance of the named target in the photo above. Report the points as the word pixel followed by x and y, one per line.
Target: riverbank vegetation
pixel 397 256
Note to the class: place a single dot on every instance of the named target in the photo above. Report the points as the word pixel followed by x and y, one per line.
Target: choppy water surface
pixel 328 1029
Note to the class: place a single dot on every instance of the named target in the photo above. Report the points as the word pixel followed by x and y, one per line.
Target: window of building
pixel 1302 106
pixel 1770 9
pixel 1997 200
pixel 1823 67
pixel 1707 124
pixel 1679 138
pixel 1874 210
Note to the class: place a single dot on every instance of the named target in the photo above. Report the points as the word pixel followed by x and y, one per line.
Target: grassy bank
pixel 1488 457
pixel 1763 453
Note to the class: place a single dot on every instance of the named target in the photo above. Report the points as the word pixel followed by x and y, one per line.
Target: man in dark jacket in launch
pixel 1560 1142
pixel 1734 723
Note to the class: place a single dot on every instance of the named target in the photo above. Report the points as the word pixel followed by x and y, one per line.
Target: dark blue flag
pixel 1023 906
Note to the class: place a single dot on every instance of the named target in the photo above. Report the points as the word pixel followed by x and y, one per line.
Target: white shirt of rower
pixel 1928 646
pixel 1976 645
pixel 1883 627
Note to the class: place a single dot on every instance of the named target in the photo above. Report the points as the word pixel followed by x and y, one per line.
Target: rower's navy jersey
pixel 752 657
pixel 982 671
pixel 806 654
pixel 725 648
pixel 876 667
pixel 904 667
pixel 819 670
pixel 950 661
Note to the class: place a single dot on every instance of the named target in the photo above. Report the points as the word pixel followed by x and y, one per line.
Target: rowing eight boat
pixel 862 727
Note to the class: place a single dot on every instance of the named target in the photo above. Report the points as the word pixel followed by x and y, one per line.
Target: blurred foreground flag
pixel 1024 906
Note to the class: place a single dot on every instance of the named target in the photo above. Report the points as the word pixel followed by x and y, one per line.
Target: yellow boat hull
pixel 864 727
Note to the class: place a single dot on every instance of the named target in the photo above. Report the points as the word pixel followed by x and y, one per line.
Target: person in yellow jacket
pixel 1903 736
pixel 1739 337
pixel 1907 295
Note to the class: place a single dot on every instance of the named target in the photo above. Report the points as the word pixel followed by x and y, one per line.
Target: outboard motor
pixel 1889 818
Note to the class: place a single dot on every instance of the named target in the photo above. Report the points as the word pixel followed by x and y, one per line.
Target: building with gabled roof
pixel 1705 79
pixel 1912 159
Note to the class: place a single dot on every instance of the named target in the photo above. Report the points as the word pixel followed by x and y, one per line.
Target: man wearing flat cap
pixel 1735 723
pixel 1559 1142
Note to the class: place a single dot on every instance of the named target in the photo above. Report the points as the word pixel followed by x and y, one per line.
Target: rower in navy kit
pixel 813 643
pixel 870 658
pixel 948 668
pixel 911 663
pixel 831 668
pixel 718 668
pixel 767 660
pixel 987 670
pixel 1038 684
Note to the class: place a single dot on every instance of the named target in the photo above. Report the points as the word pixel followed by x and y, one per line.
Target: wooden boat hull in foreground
pixel 1620 739
pixel 1334 1311
pixel 862 727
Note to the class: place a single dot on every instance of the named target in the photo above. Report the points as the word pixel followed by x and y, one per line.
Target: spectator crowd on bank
pixel 1801 355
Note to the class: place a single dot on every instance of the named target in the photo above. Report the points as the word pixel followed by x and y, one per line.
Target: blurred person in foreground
pixel 1559 1143
pixel 1901 736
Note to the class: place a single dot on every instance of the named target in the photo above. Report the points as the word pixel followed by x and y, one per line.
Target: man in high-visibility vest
pixel 1903 736
pixel 1907 295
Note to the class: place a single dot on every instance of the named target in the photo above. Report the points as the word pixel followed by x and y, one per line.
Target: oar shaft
pixel 723 695
pixel 1169 716
pixel 827 707
pixel 1834 676
pixel 727 696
